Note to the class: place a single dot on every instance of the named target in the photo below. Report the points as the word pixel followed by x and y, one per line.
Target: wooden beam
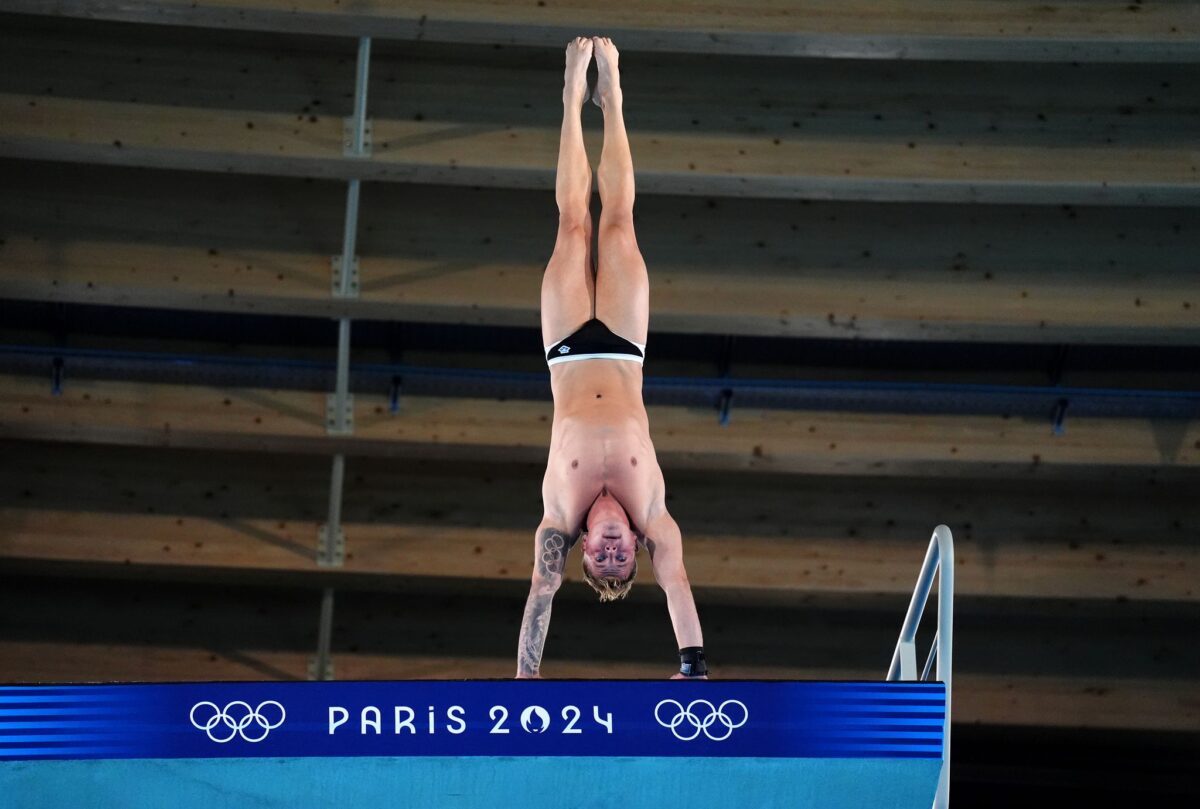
pixel 919 29
pixel 471 117
pixel 146 135
pixel 219 517
pixel 695 126
pixel 1012 666
pixel 818 442
pixel 112 236
pixel 283 551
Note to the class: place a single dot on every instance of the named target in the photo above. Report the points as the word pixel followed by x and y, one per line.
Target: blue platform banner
pixel 575 718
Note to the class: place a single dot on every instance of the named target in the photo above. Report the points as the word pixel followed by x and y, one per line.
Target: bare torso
pixel 600 441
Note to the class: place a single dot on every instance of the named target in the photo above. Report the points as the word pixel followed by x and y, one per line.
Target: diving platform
pixel 521 744
pixel 499 744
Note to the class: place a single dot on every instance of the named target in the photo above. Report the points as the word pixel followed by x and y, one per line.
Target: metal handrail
pixel 939 560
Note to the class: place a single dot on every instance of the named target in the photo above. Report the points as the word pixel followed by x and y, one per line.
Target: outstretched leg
pixel 622 286
pixel 568 285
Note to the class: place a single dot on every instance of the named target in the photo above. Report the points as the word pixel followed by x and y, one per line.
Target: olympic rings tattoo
pixel 553 554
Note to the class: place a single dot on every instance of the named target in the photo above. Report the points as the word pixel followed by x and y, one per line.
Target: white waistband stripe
pixel 577 357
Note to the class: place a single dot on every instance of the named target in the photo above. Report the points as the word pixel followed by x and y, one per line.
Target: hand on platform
pixel 528 677
pixel 678 676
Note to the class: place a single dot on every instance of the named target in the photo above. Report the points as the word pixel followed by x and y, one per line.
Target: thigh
pixel 622 285
pixel 568 284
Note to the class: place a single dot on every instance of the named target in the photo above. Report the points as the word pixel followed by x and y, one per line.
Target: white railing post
pixel 939 561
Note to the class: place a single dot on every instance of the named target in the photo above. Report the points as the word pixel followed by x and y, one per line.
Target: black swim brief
pixel 595 341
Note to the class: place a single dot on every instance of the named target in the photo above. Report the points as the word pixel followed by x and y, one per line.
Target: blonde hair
pixel 610 588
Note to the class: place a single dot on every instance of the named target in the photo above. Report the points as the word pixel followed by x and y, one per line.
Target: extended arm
pixel 550 548
pixel 665 545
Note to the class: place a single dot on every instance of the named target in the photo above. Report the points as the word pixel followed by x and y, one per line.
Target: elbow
pixel 546 585
pixel 674 581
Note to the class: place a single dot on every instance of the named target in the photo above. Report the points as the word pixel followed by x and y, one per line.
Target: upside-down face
pixel 609 547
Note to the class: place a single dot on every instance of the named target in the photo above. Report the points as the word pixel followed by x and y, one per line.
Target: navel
pixel 575 464
pixel 633 461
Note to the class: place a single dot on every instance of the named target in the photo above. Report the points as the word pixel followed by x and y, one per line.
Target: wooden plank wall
pixel 935 173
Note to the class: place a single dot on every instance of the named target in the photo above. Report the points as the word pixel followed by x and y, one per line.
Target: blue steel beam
pixel 395 380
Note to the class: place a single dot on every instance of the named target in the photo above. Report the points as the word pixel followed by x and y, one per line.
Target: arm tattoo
pixel 553 552
pixel 535 623
pixel 534 626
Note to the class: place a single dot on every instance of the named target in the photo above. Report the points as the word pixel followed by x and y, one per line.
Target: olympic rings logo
pixel 237 719
pixel 700 716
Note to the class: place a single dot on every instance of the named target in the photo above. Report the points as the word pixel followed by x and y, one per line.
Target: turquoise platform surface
pixel 499 783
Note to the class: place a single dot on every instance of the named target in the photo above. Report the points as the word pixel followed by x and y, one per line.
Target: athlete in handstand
pixel 603 483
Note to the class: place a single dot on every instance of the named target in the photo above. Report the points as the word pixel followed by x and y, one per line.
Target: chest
pixel 578 472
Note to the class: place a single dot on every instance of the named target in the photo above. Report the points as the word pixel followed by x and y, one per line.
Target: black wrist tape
pixel 691 662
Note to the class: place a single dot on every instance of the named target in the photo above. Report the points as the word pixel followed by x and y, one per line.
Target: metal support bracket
pixel 331 550
pixel 724 366
pixel 724 404
pixel 394 395
pixel 56 377
pixel 348 149
pixel 1060 415
pixel 335 264
pixel 327 674
pixel 331 415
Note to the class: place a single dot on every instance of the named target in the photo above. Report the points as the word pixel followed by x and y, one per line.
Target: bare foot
pixel 579 54
pixel 608 82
